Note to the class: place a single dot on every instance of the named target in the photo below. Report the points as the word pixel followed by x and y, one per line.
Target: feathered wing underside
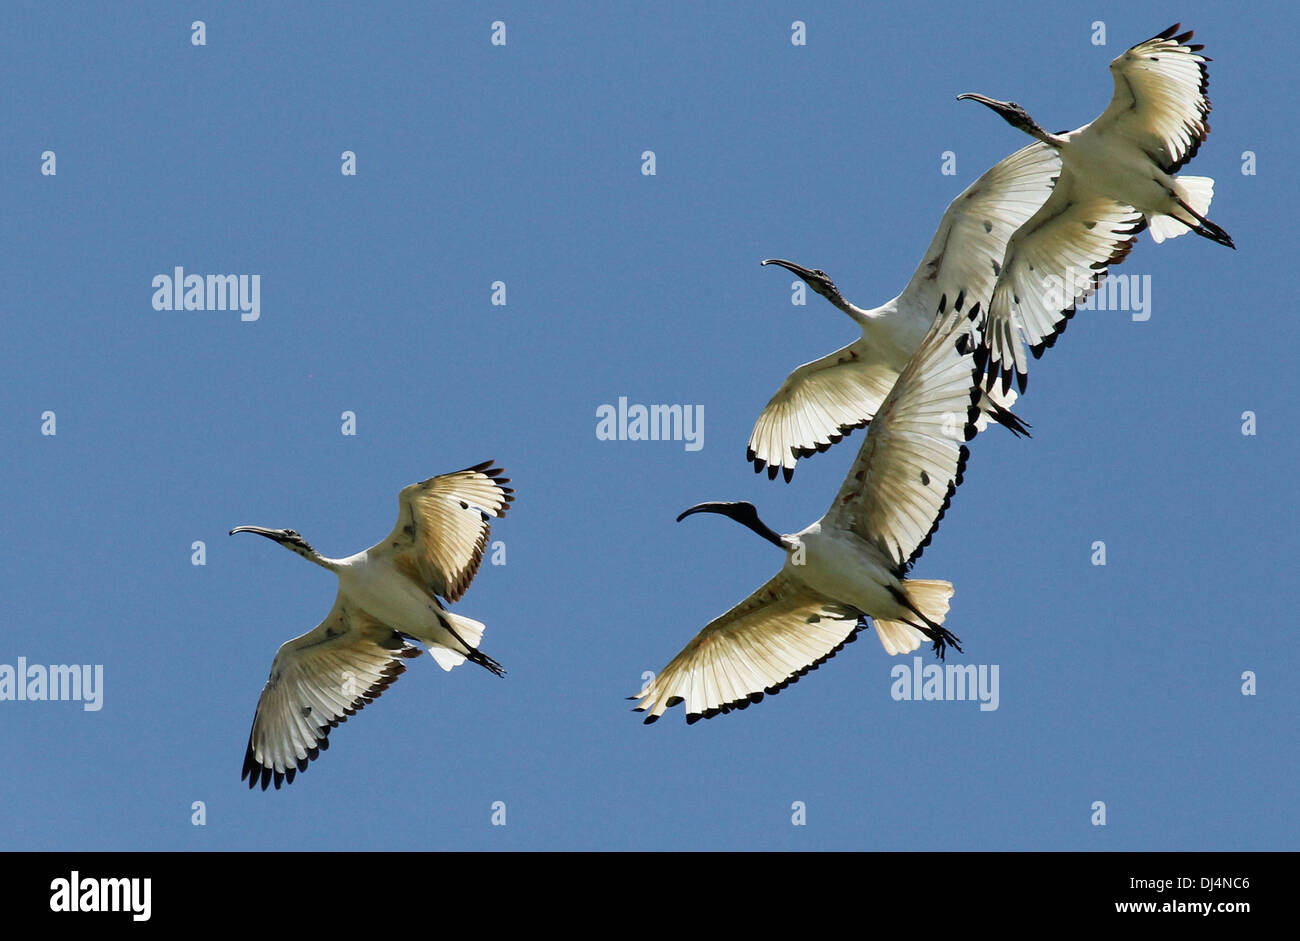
pixel 317 681
pixel 826 399
pixel 1160 100
pixel 442 526
pixel 1053 263
pixel 965 256
pixel 817 405
pixel 763 644
pixel 913 456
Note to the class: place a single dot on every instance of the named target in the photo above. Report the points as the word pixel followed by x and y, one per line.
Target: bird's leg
pixel 473 654
pixel 1206 229
pixel 941 637
pixel 938 635
pixel 483 660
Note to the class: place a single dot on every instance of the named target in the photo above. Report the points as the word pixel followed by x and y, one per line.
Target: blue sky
pixel 478 163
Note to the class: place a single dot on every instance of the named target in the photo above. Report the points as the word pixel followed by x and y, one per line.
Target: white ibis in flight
pixel 1117 178
pixel 388 596
pixel 853 562
pixel 824 400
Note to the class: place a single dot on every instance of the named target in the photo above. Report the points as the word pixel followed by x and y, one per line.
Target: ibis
pixel 389 596
pixel 1117 178
pixel 824 400
pixel 840 392
pixel 853 563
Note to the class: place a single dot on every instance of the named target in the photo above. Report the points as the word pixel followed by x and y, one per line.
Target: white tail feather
pixel 897 637
pixel 1196 191
pixel 470 631
pixel 930 597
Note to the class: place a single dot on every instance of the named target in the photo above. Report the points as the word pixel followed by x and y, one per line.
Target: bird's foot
pixel 483 660
pixel 942 637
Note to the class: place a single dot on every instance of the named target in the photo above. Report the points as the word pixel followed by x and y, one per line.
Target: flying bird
pixel 1117 178
pixel 388 596
pixel 824 400
pixel 853 562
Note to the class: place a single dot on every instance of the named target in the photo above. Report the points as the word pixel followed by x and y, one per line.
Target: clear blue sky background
pixel 522 163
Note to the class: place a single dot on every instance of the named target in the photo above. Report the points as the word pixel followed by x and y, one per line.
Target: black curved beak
pixel 805 273
pixel 815 278
pixel 743 513
pixel 1001 107
pixel 276 534
pixel 726 509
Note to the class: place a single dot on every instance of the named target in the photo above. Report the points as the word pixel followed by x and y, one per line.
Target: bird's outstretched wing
pixel 1053 262
pixel 762 645
pixel 1160 102
pixel 823 401
pixel 965 256
pixel 317 681
pixel 442 527
pixel 817 405
pixel 912 458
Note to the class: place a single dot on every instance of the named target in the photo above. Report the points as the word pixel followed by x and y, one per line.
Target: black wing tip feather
pixel 457 591
pixel 996 370
pixel 800 452
pixel 963 455
pixel 749 699
pixel 993 371
pixel 487 469
pixel 1169 33
pixel 1201 130
pixel 840 433
pixel 1100 271
pixel 254 771
pixel 953 484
